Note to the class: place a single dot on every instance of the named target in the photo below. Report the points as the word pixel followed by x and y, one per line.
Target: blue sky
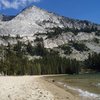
pixel 78 9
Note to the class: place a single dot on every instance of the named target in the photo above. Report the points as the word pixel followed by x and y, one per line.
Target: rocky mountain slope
pixel 5 18
pixel 59 33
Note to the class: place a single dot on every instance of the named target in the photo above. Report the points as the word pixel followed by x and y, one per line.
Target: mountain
pixel 5 18
pixel 59 33
pixel 35 20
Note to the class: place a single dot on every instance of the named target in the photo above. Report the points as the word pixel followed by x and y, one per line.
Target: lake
pixel 87 86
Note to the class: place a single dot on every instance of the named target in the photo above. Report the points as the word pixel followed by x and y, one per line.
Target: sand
pixel 31 88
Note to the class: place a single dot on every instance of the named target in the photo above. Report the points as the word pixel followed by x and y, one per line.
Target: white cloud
pixel 15 4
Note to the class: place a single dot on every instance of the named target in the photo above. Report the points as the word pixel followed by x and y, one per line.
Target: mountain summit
pixel 35 20
pixel 55 30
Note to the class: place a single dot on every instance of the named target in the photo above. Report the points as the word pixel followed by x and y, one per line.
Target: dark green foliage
pixel 97 33
pixel 80 46
pixel 38 39
pixel 76 31
pixel 53 52
pixel 18 48
pixel 37 50
pixel 54 64
pixel 96 40
pixel 39 34
pixel 93 61
pixel 15 63
pixel 30 49
pixel 18 36
pixel 73 30
pixel 6 37
pixel 88 29
pixel 56 31
pixel 67 49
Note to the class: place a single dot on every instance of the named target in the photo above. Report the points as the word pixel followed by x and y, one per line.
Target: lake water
pixel 87 86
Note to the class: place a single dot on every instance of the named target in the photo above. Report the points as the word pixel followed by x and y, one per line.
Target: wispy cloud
pixel 15 4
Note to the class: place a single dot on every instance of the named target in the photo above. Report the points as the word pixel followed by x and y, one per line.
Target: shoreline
pixel 58 92
pixel 31 88
pixel 77 92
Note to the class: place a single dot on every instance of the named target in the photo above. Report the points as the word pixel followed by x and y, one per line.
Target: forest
pixel 14 59
pixel 16 62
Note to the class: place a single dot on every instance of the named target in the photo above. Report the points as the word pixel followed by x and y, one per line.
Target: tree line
pixel 16 62
pixel 93 62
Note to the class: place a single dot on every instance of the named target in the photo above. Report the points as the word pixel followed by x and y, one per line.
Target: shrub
pixel 80 46
pixel 93 61
pixel 67 49
pixel 96 40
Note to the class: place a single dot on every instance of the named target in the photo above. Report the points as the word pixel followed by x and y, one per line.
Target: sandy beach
pixel 31 88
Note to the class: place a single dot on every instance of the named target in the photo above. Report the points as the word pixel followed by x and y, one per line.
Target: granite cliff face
pixel 6 18
pixel 35 20
pixel 55 30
